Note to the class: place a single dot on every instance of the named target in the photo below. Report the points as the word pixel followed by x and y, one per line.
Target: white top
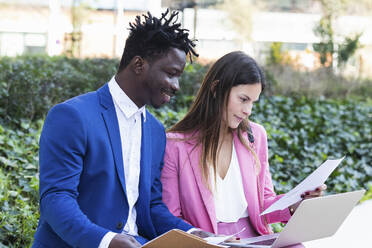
pixel 130 126
pixel 229 198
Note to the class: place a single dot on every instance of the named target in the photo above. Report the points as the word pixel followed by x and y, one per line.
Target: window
pixel 13 43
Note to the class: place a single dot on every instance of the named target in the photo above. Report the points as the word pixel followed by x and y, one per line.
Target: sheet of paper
pixel 219 239
pixel 315 179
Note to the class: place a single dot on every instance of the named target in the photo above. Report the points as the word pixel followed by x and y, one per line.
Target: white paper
pixel 219 239
pixel 314 180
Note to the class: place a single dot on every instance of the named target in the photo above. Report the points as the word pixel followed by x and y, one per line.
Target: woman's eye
pixel 243 99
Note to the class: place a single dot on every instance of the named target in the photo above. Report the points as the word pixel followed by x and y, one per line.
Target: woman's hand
pixel 315 193
pixel 319 191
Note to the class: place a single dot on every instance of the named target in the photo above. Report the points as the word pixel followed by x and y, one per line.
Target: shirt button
pixel 119 226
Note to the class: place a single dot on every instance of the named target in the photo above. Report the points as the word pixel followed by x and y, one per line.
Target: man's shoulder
pixel 150 118
pixel 79 102
pixel 82 105
pixel 86 98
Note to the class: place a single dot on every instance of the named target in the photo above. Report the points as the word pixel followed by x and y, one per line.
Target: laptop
pixel 314 218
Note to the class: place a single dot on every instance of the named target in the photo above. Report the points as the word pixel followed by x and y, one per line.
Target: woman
pixel 216 172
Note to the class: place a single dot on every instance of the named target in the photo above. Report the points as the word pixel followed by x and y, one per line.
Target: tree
pixel 327 47
pixel 240 14
pixel 347 49
pixel 79 12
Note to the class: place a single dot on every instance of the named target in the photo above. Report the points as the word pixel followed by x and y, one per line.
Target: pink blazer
pixel 187 196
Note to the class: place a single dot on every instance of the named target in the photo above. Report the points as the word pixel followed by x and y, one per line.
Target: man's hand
pixel 202 234
pixel 123 241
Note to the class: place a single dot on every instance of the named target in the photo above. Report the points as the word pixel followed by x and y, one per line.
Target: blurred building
pixel 98 28
pixel 293 30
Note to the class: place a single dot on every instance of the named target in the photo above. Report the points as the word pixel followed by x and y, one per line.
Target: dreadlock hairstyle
pixel 203 120
pixel 153 37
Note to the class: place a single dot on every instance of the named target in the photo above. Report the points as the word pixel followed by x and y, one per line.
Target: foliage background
pixel 306 124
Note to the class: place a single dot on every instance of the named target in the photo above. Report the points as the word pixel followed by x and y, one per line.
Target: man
pixel 101 153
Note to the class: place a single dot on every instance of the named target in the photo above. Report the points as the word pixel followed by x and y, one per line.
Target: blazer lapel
pixel 207 196
pixel 112 126
pixel 145 172
pixel 249 178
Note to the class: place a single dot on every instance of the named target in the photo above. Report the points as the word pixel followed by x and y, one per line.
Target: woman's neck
pixel 225 133
pixel 224 137
pixel 224 152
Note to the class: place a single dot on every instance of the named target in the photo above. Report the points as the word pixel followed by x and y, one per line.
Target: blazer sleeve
pixel 163 217
pixel 169 178
pixel 61 154
pixel 269 194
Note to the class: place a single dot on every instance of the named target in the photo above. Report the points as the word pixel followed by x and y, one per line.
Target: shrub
pixel 31 85
pixel 286 81
pixel 302 131
pixel 19 184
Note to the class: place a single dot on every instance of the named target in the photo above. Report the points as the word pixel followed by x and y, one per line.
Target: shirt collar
pixel 126 105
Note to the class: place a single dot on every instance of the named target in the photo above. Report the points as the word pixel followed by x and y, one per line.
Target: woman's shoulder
pixel 257 128
pixel 179 139
pixel 258 131
pixel 182 136
pixel 175 135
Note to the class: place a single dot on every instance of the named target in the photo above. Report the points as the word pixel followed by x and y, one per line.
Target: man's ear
pixel 213 87
pixel 137 64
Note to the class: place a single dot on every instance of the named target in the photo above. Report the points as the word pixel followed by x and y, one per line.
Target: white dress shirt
pixel 229 198
pixel 130 126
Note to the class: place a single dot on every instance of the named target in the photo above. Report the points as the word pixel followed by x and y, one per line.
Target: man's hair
pixel 153 37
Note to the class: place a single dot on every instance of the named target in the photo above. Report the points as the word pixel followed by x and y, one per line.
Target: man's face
pixel 162 75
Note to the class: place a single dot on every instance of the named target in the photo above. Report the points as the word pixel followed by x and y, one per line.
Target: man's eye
pixel 170 74
pixel 243 99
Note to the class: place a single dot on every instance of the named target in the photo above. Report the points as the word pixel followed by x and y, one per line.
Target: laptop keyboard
pixel 264 242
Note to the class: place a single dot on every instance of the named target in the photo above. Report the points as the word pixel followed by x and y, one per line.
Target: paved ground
pixel 356 231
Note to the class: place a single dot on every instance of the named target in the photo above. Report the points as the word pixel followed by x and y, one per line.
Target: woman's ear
pixel 213 87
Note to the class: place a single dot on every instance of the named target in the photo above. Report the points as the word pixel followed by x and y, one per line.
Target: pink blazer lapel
pixel 249 178
pixel 207 196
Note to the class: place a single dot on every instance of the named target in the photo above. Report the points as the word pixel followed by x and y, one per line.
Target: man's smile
pixel 167 91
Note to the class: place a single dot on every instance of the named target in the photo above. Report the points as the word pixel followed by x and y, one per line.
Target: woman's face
pixel 240 103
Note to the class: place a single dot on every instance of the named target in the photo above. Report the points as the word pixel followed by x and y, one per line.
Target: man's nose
pixel 176 84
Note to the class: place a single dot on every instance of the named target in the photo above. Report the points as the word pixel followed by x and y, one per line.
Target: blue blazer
pixel 82 182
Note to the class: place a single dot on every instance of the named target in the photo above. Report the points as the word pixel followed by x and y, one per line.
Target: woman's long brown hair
pixel 203 120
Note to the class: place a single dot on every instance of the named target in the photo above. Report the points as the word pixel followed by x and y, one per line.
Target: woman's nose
pixel 247 110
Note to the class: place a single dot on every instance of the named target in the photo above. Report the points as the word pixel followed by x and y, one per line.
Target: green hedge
pixel 19 184
pixel 30 85
pixel 302 132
